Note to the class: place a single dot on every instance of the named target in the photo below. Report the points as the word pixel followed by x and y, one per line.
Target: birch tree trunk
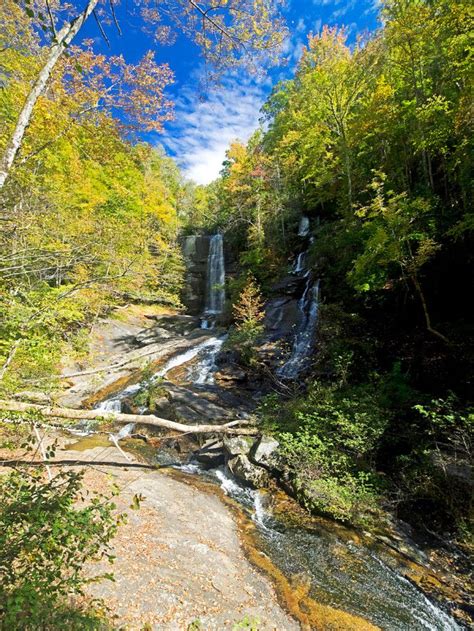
pixel 62 41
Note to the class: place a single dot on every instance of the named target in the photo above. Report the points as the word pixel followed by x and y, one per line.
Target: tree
pixel 249 313
pixel 399 234
pixel 233 32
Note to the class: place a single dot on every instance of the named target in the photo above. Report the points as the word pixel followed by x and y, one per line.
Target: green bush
pixel 47 533
pixel 329 439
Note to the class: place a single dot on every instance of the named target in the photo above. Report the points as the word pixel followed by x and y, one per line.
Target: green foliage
pixel 329 439
pixel 248 314
pixel 89 221
pixel 47 532
pixel 150 388
pixel 373 142
pixel 247 623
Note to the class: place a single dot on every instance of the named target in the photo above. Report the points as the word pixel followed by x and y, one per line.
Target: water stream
pixel 341 573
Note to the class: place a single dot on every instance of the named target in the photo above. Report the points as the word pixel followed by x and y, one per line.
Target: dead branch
pixel 124 419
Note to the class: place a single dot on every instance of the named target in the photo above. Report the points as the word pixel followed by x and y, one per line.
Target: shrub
pixel 248 314
pixel 47 533
pixel 329 446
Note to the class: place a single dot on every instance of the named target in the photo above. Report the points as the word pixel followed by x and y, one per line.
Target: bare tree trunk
pixel 64 38
pixel 418 288
pixel 124 419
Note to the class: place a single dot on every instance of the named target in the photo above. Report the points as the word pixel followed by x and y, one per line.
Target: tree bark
pixel 64 38
pixel 124 419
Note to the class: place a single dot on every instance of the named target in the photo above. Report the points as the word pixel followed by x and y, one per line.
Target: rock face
pixel 282 314
pixel 195 252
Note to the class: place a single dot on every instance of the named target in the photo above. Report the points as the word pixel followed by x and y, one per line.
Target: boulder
pixel 237 445
pixel 248 473
pixel 265 452
pixel 211 454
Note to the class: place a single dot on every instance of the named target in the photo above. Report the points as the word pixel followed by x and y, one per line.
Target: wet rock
pixel 187 403
pixel 265 452
pixel 282 316
pixel 161 406
pixel 248 473
pixel 238 445
pixel 211 454
pixel 128 406
pixel 230 374
pixel 289 286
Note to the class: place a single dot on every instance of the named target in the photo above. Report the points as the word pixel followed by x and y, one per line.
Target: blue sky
pixel 205 124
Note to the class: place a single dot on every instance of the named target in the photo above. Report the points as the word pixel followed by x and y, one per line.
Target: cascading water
pixel 203 372
pixel 111 405
pixel 303 228
pixel 215 291
pixel 308 306
pixel 299 263
pixel 342 574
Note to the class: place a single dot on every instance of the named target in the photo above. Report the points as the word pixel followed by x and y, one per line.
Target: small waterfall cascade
pixel 308 306
pixel 299 264
pixel 111 405
pixel 215 291
pixel 303 228
pixel 203 372
pixel 303 343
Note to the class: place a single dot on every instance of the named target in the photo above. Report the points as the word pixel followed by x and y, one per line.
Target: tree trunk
pixel 418 288
pixel 124 419
pixel 64 38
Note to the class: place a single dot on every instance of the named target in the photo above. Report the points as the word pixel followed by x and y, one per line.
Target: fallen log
pixel 124 419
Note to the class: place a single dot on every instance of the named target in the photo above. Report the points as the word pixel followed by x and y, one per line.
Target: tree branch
pixel 124 419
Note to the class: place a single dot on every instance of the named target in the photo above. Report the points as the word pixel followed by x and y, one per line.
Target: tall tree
pixel 228 33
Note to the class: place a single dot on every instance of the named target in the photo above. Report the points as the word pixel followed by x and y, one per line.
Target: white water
pixel 203 372
pixel 300 263
pixel 187 356
pixel 303 343
pixel 303 228
pixel 111 405
pixel 215 286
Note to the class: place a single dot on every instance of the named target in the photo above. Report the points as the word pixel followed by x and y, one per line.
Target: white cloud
pixel 203 129
pixel 301 26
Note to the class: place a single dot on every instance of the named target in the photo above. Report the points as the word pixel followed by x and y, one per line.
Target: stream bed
pixel 337 572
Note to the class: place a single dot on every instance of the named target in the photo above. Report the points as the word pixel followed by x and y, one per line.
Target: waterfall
pixel 215 293
pixel 110 405
pixel 300 263
pixel 303 228
pixel 303 343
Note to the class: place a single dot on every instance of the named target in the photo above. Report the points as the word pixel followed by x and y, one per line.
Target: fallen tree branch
pixel 124 419
pixel 80 463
